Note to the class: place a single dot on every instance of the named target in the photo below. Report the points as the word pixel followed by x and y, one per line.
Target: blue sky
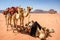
pixel 36 4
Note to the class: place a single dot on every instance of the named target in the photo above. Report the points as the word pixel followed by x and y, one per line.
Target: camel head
pixel 29 23
pixel 29 8
pixel 50 30
pixel 45 32
pixel 7 9
pixel 21 9
pixel 12 10
pixel 16 9
pixel 5 12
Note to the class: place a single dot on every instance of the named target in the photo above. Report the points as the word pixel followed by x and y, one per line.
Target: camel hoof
pixel 13 32
pixel 7 29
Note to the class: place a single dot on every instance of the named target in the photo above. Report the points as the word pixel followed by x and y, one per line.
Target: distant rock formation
pixel 39 11
pixel 52 11
pixel 1 11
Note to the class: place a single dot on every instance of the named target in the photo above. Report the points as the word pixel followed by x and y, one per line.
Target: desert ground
pixel 45 20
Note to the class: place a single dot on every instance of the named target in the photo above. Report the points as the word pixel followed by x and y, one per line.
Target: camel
pixel 24 13
pixel 7 17
pixel 42 33
pixel 16 16
pixel 13 12
pixel 9 12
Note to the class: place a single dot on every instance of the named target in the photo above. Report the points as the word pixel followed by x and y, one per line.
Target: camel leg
pixel 6 21
pixel 13 24
pixel 7 27
pixel 16 23
pixel 21 28
pixel 22 22
pixel 10 20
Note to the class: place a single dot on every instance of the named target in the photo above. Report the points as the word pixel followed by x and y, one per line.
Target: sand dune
pixel 45 20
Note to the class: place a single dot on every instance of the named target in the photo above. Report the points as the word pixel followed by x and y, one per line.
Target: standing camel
pixel 18 15
pixel 7 17
pixel 14 12
pixel 24 13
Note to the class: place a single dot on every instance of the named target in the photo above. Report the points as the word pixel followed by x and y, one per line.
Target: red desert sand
pixel 45 20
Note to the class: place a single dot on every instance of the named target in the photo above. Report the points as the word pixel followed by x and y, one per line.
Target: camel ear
pixel 24 9
pixel 29 7
pixel 32 8
pixel 51 30
pixel 19 7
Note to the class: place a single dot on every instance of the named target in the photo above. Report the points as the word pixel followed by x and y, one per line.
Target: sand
pixel 45 20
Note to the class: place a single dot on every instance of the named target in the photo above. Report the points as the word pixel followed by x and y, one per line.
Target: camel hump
pixel 8 14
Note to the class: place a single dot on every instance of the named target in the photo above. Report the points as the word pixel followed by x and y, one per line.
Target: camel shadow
pixel 23 31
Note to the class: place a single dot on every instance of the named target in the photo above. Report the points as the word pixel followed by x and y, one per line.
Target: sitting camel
pixel 41 32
